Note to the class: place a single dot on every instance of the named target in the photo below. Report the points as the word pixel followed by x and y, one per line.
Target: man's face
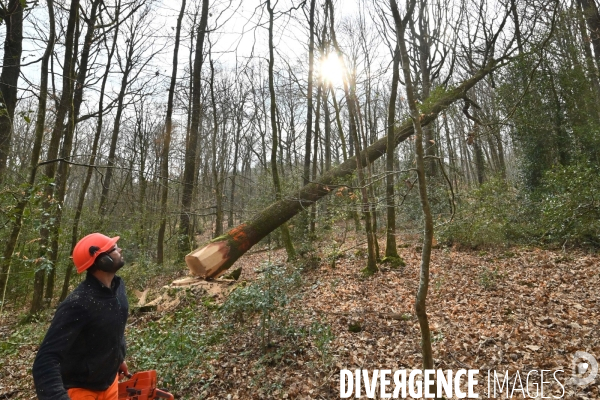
pixel 118 260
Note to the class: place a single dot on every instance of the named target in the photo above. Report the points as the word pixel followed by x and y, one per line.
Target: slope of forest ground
pixel 286 334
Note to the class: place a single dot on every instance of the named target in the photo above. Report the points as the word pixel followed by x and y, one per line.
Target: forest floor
pixel 513 309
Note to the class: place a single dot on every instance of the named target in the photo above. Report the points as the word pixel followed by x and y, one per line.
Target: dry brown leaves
pixel 505 310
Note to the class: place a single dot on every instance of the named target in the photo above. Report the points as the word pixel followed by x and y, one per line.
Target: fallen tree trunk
pixel 222 252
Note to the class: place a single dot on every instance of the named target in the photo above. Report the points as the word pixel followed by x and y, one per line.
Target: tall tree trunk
pixel 317 131
pixel 497 139
pixel 353 213
pixel 425 68
pixel 35 156
pixel 327 138
pixel 217 183
pixel 92 161
pixel 592 17
pixel 391 250
pixel 12 15
pixel 238 131
pixel 142 181
pixel 164 157
pixel 475 139
pixel 515 16
pixel 309 92
pixel 371 218
pixel 50 170
pixel 191 146
pixel 592 70
pixel 62 173
pixel 103 207
pixel 369 136
pixel 421 298
pixel 470 171
pixel 479 161
pixel 371 267
pixel 216 257
pixel 451 152
pixel 280 143
pixel 285 233
pixel 304 222
pixel 338 121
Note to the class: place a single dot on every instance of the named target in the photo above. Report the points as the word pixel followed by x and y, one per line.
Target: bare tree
pixel 415 115
pixel 135 57
pixel 65 105
pixel 62 172
pixel 353 118
pixel 592 17
pixel 391 250
pixel 192 143
pixel 12 16
pixel 492 53
pixel 98 132
pixel 164 163
pixel 37 147
pixel 285 233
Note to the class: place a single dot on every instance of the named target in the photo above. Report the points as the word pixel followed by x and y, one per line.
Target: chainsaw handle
pixel 127 375
pixel 161 394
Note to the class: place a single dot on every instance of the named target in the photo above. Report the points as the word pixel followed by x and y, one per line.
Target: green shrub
pixel 24 335
pixel 321 332
pixel 570 205
pixel 178 346
pixel 490 215
pixel 267 297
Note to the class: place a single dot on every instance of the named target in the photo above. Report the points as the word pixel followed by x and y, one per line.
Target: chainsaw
pixel 142 386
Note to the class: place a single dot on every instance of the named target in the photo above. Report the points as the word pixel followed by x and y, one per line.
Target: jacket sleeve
pixel 68 322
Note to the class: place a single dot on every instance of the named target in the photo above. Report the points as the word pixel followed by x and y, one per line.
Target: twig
pixel 462 364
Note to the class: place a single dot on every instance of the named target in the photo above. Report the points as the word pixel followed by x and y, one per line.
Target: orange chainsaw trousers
pixel 112 393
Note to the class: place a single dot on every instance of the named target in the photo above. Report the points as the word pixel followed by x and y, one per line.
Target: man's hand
pixel 124 370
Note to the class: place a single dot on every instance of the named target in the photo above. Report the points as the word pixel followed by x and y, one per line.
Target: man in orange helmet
pixel 83 351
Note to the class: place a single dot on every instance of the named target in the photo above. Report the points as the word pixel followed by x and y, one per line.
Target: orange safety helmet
pixel 89 248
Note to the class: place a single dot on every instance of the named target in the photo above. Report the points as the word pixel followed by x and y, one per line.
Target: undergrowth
pixel 178 345
pixel 563 209
pixel 183 345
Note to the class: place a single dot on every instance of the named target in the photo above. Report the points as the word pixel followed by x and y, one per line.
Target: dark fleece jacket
pixel 85 343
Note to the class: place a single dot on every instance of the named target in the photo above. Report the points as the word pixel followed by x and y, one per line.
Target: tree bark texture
pixel 285 233
pixel 37 146
pixel 50 169
pixel 216 169
pixel 390 242
pixel 317 137
pixel 309 92
pixel 62 173
pixel 354 134
pixel 92 160
pixel 420 301
pixel 189 171
pixel 424 39
pixel 592 17
pixel 12 16
pixel 164 157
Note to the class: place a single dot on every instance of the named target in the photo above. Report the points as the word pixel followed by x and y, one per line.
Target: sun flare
pixel 331 70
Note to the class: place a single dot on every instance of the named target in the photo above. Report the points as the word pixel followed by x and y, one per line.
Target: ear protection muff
pixel 104 261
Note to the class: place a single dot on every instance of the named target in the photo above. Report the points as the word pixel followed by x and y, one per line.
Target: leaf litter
pixel 518 309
